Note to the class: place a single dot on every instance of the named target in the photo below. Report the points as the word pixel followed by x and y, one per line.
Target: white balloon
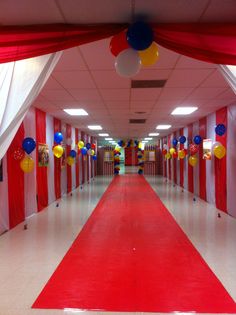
pixel 89 151
pixel 128 63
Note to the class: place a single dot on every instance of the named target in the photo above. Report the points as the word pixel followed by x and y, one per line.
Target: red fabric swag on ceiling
pixel 214 43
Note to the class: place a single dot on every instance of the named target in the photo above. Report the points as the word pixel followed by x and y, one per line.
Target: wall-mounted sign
pixel 207 145
pixel 43 154
pixel 108 156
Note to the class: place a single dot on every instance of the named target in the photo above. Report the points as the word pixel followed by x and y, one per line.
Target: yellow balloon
pixel 150 55
pixel 140 145
pixel 117 148
pixel 92 152
pixel 193 160
pixel 27 164
pixel 80 144
pixel 181 154
pixel 70 160
pixel 172 151
pixel 58 151
pixel 219 151
pixel 168 156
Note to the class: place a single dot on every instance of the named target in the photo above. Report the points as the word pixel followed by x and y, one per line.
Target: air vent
pixel 145 84
pixel 140 112
pixel 137 121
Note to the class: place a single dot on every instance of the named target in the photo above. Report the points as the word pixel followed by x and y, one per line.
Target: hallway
pixel 29 257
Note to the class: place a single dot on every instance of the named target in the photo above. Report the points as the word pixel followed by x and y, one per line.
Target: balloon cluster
pixel 88 149
pixel 26 161
pixel 134 48
pixel 117 160
pixel 128 144
pixel 140 161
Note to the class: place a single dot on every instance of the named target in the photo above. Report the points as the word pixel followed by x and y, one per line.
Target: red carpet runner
pixel 132 256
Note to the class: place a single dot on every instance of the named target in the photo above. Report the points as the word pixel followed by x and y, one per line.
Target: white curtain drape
pixel 20 84
pixel 229 72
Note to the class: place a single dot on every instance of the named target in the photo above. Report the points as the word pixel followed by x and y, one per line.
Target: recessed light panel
pixel 154 134
pixel 184 110
pixel 108 139
pixel 147 138
pixel 163 127
pixel 76 111
pixel 103 134
pixel 95 127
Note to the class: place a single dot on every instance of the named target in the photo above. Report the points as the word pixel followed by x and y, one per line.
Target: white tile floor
pixel 29 257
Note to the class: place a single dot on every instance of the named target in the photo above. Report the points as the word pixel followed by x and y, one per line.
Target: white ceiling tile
pixel 84 95
pixel 57 95
pixel 74 79
pixel 115 94
pixel 187 78
pixel 216 79
pixel 110 79
pixel 70 60
pixel 145 94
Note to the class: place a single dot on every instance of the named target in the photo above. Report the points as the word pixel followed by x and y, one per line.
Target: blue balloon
pixel 220 129
pixel 140 35
pixel 58 137
pixel 182 139
pixel 73 153
pixel 197 139
pixel 94 157
pixel 28 145
pixel 140 172
pixel 175 141
pixel 120 143
pixel 83 151
pixel 116 172
pixel 88 146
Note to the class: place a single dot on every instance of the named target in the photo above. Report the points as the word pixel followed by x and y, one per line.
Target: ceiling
pixel 85 76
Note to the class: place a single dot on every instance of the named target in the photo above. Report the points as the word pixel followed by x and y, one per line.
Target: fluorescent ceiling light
pixel 147 138
pixel 76 111
pixel 153 134
pixel 108 138
pixel 162 127
pixel 144 141
pixel 184 110
pixel 95 127
pixel 103 134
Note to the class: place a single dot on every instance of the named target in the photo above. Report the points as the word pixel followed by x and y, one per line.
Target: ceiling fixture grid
pixel 98 90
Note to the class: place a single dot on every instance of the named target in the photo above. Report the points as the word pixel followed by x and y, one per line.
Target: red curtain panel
pixel 41 171
pixel 16 194
pixel 68 167
pixel 202 162
pixel 82 159
pixel 220 165
pixel 57 163
pixel 181 163
pixel 190 168
pixel 77 158
pixel 175 164
pixel 214 42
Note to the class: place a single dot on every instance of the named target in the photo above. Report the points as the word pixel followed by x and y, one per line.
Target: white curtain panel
pixel 29 179
pixel 229 72
pixel 20 84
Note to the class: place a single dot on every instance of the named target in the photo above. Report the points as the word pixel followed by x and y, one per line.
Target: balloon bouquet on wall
pixel 26 161
pixel 140 161
pixel 217 149
pixel 134 48
pixel 58 150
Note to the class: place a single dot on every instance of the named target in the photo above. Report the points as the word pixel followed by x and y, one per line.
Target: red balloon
pixel 186 151
pixel 93 146
pixel 164 151
pixel 193 148
pixel 118 43
pixel 175 154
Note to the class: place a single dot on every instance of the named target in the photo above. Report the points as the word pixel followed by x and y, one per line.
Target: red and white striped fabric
pixel 212 180
pixel 12 211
